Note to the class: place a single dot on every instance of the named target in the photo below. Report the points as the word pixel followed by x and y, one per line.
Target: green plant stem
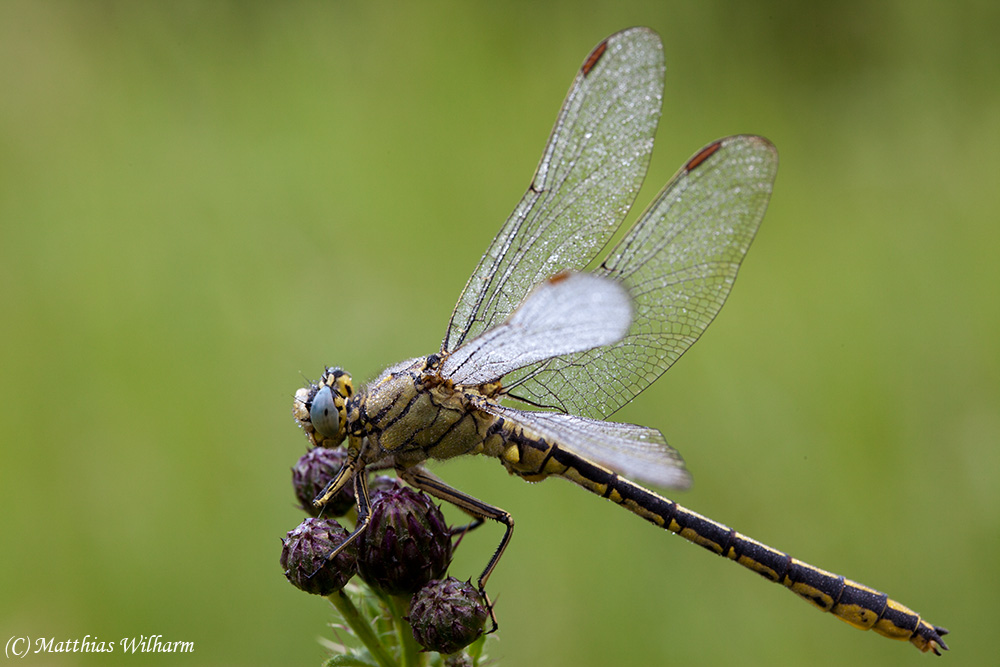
pixel 359 624
pixel 412 657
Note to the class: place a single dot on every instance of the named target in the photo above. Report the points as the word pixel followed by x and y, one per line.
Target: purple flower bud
pixel 310 475
pixel 447 615
pixel 304 552
pixel 407 542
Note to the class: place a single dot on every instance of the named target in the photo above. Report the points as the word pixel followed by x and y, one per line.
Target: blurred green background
pixel 203 203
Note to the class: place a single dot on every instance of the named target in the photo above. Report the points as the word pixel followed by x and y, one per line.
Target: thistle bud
pixel 310 475
pixel 407 542
pixel 381 483
pixel 304 552
pixel 447 615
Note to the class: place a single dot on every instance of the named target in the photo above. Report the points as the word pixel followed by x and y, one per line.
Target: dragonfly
pixel 543 323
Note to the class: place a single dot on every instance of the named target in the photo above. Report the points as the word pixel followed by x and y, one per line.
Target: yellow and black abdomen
pixel 854 603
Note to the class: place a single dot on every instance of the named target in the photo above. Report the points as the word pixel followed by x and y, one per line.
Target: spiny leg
pixel 477 519
pixel 425 481
pixel 364 516
pixel 352 469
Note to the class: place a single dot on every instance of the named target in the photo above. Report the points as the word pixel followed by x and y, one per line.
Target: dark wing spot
pixel 559 277
pixel 703 155
pixel 594 56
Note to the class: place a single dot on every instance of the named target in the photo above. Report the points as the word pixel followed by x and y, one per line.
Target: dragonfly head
pixel 321 408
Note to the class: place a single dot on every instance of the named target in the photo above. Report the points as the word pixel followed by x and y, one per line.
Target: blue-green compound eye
pixel 324 415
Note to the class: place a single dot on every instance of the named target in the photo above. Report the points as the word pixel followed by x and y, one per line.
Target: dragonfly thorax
pixel 412 413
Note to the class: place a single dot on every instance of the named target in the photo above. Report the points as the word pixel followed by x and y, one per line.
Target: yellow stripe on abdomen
pixel 860 606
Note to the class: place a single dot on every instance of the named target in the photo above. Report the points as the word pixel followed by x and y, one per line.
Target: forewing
pixel 678 263
pixel 634 451
pixel 568 313
pixel 585 183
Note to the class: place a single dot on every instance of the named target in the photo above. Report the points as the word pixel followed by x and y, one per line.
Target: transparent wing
pixel 634 451
pixel 584 185
pixel 569 312
pixel 678 263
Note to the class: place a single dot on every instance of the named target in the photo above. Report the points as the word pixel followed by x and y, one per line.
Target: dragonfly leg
pixel 350 470
pixel 477 509
pixel 364 518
